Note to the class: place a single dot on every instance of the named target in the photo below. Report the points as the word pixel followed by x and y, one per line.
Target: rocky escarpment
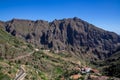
pixel 72 34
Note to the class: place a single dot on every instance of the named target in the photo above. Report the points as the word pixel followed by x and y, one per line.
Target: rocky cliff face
pixel 72 34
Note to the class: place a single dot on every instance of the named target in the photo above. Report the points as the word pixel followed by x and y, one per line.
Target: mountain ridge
pixel 71 34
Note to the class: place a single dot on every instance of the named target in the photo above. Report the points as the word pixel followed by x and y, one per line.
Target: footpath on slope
pixel 23 56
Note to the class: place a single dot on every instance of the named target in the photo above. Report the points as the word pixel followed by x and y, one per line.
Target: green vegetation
pixel 42 75
pixel 4 77
pixel 50 65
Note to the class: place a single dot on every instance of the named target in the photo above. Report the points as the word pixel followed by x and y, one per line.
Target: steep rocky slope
pixel 72 34
pixel 11 47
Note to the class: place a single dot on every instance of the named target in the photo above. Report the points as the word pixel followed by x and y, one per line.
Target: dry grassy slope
pixel 10 48
pixel 52 64
pixel 41 65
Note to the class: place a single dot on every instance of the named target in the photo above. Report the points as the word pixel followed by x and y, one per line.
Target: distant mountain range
pixel 73 35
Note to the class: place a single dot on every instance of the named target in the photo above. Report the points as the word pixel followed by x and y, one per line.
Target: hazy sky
pixel 102 13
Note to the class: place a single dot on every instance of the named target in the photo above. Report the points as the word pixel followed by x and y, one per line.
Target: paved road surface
pixel 21 74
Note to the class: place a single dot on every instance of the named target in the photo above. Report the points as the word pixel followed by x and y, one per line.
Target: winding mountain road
pixel 21 74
